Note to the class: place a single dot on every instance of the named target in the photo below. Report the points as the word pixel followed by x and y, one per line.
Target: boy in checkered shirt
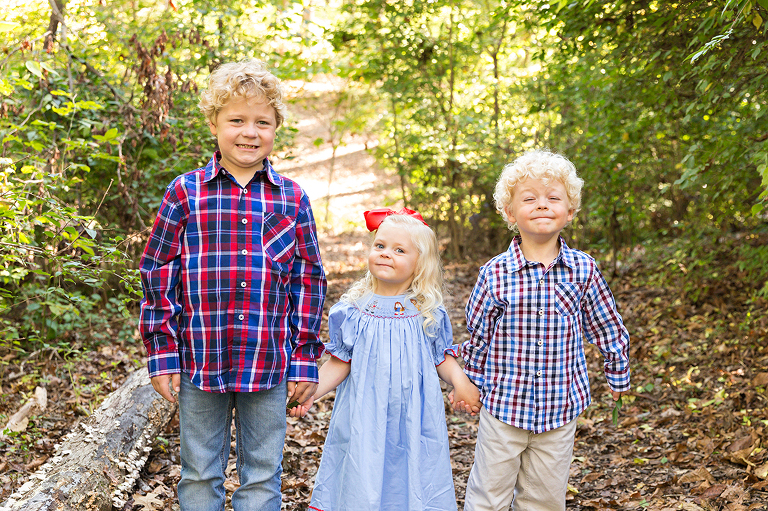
pixel 527 316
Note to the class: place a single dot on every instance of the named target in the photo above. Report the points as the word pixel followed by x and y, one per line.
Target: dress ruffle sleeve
pixel 441 338
pixel 343 325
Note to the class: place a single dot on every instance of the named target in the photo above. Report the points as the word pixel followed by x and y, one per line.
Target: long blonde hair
pixel 427 286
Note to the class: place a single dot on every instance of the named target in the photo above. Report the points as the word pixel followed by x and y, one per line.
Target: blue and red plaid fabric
pixel 233 282
pixel 526 325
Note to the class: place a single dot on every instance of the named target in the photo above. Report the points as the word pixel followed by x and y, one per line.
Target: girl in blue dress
pixel 390 339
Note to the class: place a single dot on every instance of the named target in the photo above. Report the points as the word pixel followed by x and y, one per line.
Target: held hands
pixel 301 395
pixel 465 397
pixel 300 409
pixel 163 384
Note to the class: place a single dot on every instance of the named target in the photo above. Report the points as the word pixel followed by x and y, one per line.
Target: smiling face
pixel 245 129
pixel 392 259
pixel 540 210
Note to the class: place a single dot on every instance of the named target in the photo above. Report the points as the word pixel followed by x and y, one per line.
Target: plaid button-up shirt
pixel 233 282
pixel 526 325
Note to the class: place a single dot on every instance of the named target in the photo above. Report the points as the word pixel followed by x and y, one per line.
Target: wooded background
pixel 662 106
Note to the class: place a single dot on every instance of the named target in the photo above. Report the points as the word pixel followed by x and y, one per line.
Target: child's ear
pixel 510 215
pixel 571 212
pixel 212 127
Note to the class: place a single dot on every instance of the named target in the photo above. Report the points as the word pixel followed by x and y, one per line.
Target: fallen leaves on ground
pixel 692 435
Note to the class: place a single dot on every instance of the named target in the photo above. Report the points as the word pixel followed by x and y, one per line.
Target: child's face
pixel 541 211
pixel 392 260
pixel 245 129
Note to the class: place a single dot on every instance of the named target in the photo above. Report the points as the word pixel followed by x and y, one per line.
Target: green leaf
pixel 34 68
pixel 616 409
pixel 5 88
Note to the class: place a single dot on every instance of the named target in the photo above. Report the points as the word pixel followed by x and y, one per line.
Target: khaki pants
pixel 514 466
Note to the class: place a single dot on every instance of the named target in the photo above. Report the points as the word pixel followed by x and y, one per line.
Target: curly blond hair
pixel 537 164
pixel 246 79
pixel 427 286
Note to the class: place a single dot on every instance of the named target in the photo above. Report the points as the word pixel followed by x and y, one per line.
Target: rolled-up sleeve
pixel 160 268
pixel 307 295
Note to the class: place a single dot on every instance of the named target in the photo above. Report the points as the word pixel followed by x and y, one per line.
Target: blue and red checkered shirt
pixel 233 282
pixel 527 324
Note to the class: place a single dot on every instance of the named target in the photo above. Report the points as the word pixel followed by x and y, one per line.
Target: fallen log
pixel 97 464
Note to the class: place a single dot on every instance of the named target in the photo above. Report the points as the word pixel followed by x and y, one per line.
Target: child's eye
pixel 400 250
pixel 378 245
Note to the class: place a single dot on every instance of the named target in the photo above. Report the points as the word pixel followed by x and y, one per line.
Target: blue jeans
pixel 205 433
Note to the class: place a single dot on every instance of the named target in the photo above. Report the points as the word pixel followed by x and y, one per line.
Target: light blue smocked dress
pixel 387 444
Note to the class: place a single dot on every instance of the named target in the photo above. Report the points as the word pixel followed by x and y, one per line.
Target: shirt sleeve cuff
pixel 302 368
pixel 163 363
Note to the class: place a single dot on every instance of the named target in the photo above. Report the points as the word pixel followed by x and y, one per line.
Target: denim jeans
pixel 205 433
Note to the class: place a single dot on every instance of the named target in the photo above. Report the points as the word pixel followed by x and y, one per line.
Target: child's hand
pixel 301 409
pixel 163 383
pixel 465 397
pixel 300 390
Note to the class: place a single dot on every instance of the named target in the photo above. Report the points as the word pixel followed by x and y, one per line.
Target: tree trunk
pixel 98 463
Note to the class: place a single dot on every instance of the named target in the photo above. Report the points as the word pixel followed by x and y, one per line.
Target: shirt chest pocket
pixel 279 237
pixel 567 298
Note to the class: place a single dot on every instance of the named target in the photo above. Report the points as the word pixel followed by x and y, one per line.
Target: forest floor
pixel 692 435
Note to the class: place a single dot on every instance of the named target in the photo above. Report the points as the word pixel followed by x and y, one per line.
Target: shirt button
pixel 242 284
pixel 541 281
pixel 538 373
pixel 541 343
pixel 244 220
pixel 541 312
pixel 241 317
pixel 244 252
pixel 245 190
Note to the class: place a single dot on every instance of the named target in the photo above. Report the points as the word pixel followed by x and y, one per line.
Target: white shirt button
pixel 241 317
pixel 541 343
pixel 244 252
pixel 242 284
pixel 541 281
pixel 244 220
pixel 538 373
pixel 541 312
pixel 245 190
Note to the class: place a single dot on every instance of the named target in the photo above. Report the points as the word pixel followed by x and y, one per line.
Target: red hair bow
pixel 374 217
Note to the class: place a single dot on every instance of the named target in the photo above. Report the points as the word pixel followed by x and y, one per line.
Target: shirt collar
pixel 214 168
pixel 517 259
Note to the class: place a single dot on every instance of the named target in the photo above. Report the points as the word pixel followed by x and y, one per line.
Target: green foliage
pixel 661 106
pixel 665 144
pixel 98 112
pixel 674 144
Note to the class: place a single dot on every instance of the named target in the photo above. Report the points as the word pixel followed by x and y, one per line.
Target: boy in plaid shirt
pixel 233 297
pixel 527 315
